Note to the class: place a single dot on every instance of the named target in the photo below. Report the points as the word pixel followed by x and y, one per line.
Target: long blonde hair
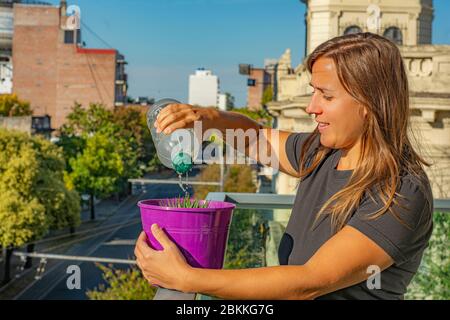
pixel 371 70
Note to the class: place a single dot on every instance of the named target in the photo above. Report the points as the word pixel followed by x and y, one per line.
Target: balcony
pixel 122 78
pixel 267 215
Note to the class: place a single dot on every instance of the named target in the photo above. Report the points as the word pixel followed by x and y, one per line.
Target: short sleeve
pixel 401 240
pixel 294 144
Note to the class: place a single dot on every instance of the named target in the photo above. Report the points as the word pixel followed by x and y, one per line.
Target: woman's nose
pixel 314 106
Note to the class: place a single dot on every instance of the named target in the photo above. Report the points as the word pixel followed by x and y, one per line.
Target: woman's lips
pixel 323 126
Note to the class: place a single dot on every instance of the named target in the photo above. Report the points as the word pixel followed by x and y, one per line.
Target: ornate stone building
pixel 408 23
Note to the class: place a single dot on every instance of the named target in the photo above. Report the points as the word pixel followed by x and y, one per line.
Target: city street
pixel 116 244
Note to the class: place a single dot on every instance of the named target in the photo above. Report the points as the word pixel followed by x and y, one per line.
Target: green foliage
pixel 210 173
pixel 230 101
pixel 432 282
pixel 261 115
pixel 155 165
pixel 267 95
pixel 133 122
pixel 11 106
pixel 238 178
pixel 122 285
pixel 97 169
pixel 61 204
pixel 88 121
pixel 246 241
pixel 72 145
pixel 34 197
pixel 102 148
pixel 185 202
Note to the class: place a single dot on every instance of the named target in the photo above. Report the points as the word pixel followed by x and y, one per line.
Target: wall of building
pixel 428 67
pixel 53 75
pixel 22 124
pixel 329 18
pixel 203 88
pixel 6 36
pixel 85 76
pixel 255 93
pixel 36 34
pixel 222 102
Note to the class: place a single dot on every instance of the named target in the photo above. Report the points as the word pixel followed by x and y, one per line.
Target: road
pixel 116 244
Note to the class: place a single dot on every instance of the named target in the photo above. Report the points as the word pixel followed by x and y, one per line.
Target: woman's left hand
pixel 167 268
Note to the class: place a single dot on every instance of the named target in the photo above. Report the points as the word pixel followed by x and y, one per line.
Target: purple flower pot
pixel 201 234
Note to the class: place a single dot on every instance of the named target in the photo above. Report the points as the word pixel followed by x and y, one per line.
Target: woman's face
pixel 340 117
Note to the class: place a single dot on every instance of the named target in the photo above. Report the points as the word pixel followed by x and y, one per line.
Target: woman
pixel 364 203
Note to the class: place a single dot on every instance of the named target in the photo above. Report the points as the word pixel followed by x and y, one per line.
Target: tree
pixel 246 241
pixel 230 101
pixel 120 139
pixel 81 121
pixel 267 95
pixel 432 281
pixel 133 123
pixel 239 178
pixel 34 197
pixel 11 106
pixel 261 116
pixel 122 285
pixel 97 170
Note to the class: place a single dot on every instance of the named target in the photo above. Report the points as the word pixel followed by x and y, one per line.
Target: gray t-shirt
pixel 404 245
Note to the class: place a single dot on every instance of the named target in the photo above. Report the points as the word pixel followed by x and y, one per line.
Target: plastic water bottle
pixel 172 150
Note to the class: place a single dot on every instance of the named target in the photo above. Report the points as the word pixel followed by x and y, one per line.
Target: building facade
pixel 53 71
pixel 32 125
pixel 428 68
pixel 407 22
pixel 223 102
pixel 6 36
pixel 258 81
pixel 204 88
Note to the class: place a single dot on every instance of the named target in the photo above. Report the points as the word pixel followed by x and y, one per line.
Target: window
pixel 352 29
pixel 394 34
pixel 69 36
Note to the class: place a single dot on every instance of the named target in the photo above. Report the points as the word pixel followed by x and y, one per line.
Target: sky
pixel 164 41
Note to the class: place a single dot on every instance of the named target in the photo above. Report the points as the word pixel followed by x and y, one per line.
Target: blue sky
pixel 164 41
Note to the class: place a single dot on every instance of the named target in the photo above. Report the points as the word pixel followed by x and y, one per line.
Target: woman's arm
pixel 178 116
pixel 341 262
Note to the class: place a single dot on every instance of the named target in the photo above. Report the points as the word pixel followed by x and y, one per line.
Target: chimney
pixel 63 8
pixel 62 14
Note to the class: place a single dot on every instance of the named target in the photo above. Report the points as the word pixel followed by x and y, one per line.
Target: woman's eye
pixel 328 98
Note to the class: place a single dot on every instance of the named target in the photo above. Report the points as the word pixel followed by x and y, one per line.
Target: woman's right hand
pixel 181 116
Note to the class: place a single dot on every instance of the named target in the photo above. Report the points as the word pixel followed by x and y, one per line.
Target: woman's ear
pixel 363 111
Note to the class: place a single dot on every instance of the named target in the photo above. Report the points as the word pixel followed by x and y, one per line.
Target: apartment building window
pixel 69 37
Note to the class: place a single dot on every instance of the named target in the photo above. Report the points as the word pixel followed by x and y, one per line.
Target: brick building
pixel 259 79
pixel 53 71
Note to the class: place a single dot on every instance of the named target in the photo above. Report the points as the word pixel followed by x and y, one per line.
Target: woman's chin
pixel 326 142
